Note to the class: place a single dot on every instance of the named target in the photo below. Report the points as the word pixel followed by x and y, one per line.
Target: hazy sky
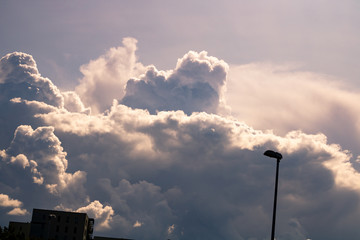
pixel 153 116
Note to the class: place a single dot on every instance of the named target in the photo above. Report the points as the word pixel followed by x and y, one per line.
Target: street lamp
pixel 278 156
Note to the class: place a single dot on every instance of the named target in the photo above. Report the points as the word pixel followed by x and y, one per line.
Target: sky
pixel 153 116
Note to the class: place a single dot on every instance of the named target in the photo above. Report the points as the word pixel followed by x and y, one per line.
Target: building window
pixel 57 228
pixel 66 229
pixel 75 229
pixel 67 219
pixel 58 218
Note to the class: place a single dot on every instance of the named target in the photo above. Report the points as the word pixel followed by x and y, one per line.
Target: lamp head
pixel 272 154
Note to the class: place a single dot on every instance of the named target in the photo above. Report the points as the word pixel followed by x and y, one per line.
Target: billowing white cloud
pixel 196 84
pixel 102 214
pixel 6 201
pixel 105 78
pixel 73 103
pixel 19 77
pixel 209 167
pixel 21 160
pixel 41 153
pixel 180 174
pixel 24 92
pixel 18 212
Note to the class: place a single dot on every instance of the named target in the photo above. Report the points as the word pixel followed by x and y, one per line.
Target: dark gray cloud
pixel 175 175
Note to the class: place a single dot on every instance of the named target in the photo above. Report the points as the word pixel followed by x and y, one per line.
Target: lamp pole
pixel 278 156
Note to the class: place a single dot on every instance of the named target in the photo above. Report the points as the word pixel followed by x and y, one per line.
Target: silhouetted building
pixel 20 229
pixel 60 225
pixel 57 225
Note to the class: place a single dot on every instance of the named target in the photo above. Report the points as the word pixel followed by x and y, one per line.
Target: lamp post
pixel 278 156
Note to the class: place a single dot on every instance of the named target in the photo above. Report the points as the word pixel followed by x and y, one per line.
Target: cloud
pixel 73 103
pixel 102 214
pixel 204 166
pixel 21 160
pixel 137 224
pixel 6 201
pixel 18 212
pixel 19 76
pixel 285 98
pixel 171 229
pixel 185 174
pixel 105 78
pixel 195 85
pixel 24 93
pixel 40 155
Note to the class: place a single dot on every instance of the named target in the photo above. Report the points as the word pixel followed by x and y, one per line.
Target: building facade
pixel 21 229
pixel 55 225
pixel 60 225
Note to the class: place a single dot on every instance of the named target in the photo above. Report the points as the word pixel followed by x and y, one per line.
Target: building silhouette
pixel 20 229
pixel 60 225
pixel 56 225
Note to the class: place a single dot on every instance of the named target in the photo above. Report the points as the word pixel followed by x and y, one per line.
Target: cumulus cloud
pixel 18 212
pixel 183 174
pixel 19 77
pixel 24 93
pixel 21 160
pixel 105 78
pixel 209 167
pixel 6 201
pixel 102 214
pixel 73 103
pixel 40 153
pixel 196 84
